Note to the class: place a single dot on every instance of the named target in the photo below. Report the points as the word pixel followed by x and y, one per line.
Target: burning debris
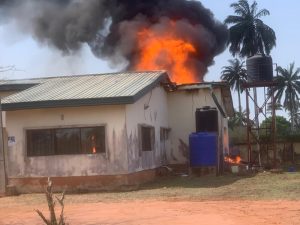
pixel 179 36
pixel 232 159
pixel 234 164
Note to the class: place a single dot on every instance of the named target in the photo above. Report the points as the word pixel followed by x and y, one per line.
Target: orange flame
pixel 166 51
pixel 235 160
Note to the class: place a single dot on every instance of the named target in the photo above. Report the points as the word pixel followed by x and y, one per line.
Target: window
pixel 64 141
pixel 40 142
pixel 67 141
pixel 147 138
pixel 164 134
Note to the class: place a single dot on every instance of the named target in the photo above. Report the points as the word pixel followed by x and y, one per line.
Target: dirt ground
pixel 164 212
pixel 259 199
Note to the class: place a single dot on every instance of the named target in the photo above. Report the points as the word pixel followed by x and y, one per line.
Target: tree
pixel 277 106
pixel 282 125
pixel 249 35
pixel 297 121
pixel 238 120
pixel 51 206
pixel 288 86
pixel 235 75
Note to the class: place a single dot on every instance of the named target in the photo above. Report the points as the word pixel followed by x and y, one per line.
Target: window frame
pixel 164 134
pixel 54 128
pixel 152 140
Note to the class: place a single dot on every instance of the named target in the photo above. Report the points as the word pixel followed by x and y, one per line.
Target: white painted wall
pixel 175 110
pixel 114 161
pixel 182 106
pixel 156 115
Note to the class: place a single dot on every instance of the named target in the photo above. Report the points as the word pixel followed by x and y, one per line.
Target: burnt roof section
pixel 85 90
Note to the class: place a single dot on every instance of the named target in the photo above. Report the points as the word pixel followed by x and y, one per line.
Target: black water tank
pixel 259 68
pixel 206 119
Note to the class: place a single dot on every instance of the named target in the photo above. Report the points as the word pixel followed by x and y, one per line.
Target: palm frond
pixel 266 36
pixel 253 8
pixel 233 19
pixel 245 6
pixel 238 9
pixel 289 87
pixel 262 12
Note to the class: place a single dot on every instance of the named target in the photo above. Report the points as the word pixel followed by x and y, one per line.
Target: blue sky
pixel 33 59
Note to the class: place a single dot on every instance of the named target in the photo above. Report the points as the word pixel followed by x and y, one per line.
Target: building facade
pixel 103 131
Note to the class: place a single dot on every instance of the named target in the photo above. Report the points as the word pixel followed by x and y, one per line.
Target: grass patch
pixel 266 186
pixel 262 186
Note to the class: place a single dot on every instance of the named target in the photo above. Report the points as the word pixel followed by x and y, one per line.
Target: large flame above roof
pixel 166 50
pixel 180 36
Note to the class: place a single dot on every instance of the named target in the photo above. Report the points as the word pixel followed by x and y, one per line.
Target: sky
pixel 33 59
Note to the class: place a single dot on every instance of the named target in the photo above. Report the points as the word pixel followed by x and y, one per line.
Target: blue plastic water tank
pixel 203 149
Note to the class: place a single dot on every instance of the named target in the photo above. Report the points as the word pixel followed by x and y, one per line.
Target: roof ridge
pixel 88 74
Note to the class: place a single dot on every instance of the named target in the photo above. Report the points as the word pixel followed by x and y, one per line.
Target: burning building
pixel 103 130
pixel 98 131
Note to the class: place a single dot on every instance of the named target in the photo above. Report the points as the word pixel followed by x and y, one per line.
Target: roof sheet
pixel 18 85
pixel 112 88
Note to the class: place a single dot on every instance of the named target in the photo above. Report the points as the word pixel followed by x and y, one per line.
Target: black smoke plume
pixel 109 26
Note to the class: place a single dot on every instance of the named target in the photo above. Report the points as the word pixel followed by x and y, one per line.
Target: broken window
pixel 63 141
pixel 147 138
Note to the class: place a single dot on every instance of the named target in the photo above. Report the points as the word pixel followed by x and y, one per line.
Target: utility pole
pixel 2 158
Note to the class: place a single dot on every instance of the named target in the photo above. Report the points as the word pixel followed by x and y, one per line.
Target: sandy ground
pixel 152 212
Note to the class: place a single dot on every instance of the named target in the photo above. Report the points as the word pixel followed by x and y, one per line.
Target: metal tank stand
pixel 261 137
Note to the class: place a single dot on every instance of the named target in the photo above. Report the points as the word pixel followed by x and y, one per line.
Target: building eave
pixel 68 103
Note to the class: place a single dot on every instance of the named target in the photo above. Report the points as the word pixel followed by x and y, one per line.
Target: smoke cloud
pixel 109 27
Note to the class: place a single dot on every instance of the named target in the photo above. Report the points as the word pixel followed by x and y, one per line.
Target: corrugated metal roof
pixel 18 85
pixel 21 81
pixel 113 88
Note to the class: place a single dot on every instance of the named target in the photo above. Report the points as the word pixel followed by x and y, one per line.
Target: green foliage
pixel 283 127
pixel 237 128
pixel 235 74
pixel 288 89
pixel 239 119
pixel 238 135
pixel 249 35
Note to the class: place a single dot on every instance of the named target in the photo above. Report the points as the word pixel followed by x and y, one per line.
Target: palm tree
pixel 235 75
pixel 289 86
pixel 297 121
pixel 238 120
pixel 277 106
pixel 249 35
